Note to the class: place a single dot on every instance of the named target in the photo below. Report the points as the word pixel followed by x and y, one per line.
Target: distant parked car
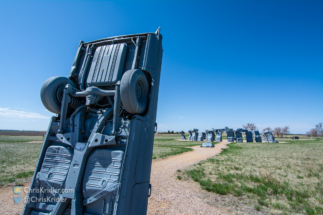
pixel 295 138
pixel 207 145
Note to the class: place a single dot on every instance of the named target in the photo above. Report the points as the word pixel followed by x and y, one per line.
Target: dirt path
pixel 36 141
pixel 7 206
pixel 173 196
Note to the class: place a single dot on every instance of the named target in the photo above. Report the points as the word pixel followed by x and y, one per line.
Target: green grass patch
pixel 167 145
pixel 17 139
pixel 17 161
pixel 162 152
pixel 258 207
pixel 25 174
pixel 285 177
pixel 175 143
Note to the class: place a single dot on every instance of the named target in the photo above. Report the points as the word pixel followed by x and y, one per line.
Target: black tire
pixel 51 93
pixel 134 91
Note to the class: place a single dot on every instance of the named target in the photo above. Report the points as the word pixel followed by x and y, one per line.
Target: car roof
pixel 122 36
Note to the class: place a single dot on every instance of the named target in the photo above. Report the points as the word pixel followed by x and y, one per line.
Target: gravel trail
pixel 173 196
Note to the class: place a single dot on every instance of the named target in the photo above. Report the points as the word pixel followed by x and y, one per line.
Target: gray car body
pixel 218 133
pixel 258 138
pixel 190 135
pixel 103 154
pixel 201 136
pixel 249 136
pixel 183 136
pixel 269 137
pixel 230 134
pixel 210 135
pixel 207 145
pixel 239 137
pixel 195 134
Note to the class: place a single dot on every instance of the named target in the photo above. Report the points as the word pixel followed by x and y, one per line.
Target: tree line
pixel 316 132
pixel 278 131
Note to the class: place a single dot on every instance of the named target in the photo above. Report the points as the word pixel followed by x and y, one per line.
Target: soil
pixel 7 206
pixel 173 196
pixel 36 141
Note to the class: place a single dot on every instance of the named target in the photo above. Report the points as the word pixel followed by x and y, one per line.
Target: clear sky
pixel 225 63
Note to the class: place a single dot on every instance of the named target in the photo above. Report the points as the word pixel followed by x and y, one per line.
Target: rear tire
pixel 52 91
pixel 134 91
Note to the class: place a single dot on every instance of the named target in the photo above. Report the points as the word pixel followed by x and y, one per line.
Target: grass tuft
pixel 258 207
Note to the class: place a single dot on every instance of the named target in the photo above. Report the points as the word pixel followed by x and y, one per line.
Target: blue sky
pixel 225 63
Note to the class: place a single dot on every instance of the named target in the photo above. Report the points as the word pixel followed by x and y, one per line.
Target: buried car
pixel 207 145
pixel 99 145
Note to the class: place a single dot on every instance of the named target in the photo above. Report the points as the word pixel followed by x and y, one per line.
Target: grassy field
pixel 276 178
pixel 18 158
pixel 18 161
pixel 167 145
pixel 18 139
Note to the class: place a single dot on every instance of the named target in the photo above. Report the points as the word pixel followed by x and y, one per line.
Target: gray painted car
pixel 269 137
pixel 195 134
pixel 99 145
pixel 230 134
pixel 258 138
pixel 218 133
pixel 239 132
pixel 207 145
pixel 210 135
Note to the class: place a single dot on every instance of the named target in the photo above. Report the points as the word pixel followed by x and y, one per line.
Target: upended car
pixel 207 145
pixel 97 154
